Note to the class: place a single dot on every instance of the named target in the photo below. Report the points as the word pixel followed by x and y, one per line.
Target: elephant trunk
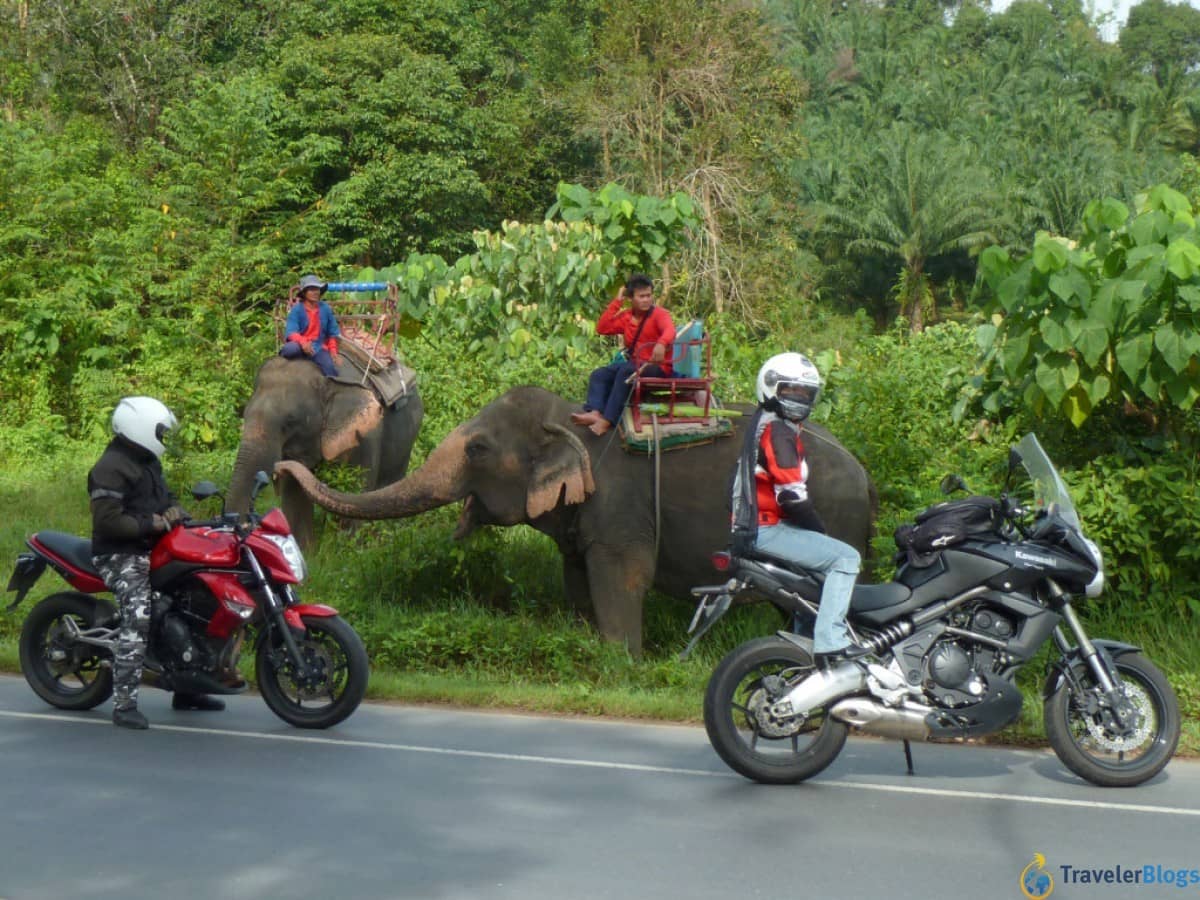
pixel 255 454
pixel 440 481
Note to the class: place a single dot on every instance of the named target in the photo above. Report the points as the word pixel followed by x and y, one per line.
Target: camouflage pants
pixel 127 575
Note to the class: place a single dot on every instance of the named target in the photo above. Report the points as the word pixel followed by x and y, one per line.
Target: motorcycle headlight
pixel 291 552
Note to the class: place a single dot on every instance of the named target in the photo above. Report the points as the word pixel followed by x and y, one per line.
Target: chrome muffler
pixel 905 724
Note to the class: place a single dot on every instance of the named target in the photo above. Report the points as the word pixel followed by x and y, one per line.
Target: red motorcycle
pixel 217 582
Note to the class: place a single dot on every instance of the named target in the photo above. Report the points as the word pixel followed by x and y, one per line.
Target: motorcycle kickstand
pixel 908 756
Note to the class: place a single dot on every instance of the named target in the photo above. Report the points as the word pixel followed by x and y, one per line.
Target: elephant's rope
pixel 657 487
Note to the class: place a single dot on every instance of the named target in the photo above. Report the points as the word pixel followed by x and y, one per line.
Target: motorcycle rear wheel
pixel 65 673
pixel 1092 750
pixel 745 736
pixel 336 651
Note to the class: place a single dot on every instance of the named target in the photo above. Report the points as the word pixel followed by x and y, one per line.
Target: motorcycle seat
pixel 72 548
pixel 871 597
pixel 866 597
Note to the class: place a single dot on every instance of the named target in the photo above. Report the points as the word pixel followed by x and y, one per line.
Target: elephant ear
pixel 564 471
pixel 350 413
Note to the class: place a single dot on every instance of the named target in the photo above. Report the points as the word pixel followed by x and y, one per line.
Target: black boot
pixel 201 702
pixel 130 718
pixel 837 657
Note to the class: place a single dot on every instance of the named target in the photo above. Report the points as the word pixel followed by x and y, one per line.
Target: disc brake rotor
pixel 1136 697
pixel 758 706
pixel 316 659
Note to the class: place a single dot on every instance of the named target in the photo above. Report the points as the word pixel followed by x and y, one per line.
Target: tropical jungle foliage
pixel 978 222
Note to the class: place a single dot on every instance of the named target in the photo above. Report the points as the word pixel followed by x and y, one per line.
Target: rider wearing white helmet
pixel 788 387
pixel 131 509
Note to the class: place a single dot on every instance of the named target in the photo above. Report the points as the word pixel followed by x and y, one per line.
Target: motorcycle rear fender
pixel 1074 661
pixel 28 570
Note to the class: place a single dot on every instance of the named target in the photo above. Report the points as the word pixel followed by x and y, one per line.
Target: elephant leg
pixel 299 511
pixel 618 579
pixel 575 585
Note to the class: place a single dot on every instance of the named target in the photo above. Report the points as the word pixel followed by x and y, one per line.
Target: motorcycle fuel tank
pixel 198 545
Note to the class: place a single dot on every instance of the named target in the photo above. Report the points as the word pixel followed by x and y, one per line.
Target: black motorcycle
pixel 984 583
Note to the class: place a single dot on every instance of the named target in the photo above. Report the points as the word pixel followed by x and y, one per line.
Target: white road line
pixel 617 766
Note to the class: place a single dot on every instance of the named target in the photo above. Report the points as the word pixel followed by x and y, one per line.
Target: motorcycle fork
pixel 274 614
pixel 1107 679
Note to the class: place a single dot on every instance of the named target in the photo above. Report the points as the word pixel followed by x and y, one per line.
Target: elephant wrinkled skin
pixel 520 461
pixel 296 413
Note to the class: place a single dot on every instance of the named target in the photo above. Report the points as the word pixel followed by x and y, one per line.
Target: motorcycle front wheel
pixel 741 728
pixel 64 672
pixel 1084 735
pixel 334 683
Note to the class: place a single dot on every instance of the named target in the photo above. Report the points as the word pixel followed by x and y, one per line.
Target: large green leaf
pixel 1015 355
pixel 1183 259
pixel 1070 284
pixel 1183 391
pixel 1049 255
pixel 1056 374
pixel 1113 213
pixel 1089 336
pixel 1133 355
pixel 1149 228
pixel 1076 406
pixel 1190 295
pixel 1055 334
pixel 1177 344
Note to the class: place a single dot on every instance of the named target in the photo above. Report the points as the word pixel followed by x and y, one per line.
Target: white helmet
pixel 143 421
pixel 788 384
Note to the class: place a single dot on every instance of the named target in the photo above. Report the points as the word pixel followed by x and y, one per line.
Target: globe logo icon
pixel 1036 882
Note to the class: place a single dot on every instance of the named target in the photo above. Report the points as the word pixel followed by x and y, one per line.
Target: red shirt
pixel 313 332
pixel 659 329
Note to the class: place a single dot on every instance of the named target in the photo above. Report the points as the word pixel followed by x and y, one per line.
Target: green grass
pixel 482 624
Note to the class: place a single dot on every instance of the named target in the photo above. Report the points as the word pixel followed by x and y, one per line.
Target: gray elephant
pixel 297 413
pixel 520 461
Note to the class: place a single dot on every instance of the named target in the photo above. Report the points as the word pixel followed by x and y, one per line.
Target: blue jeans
pixel 818 552
pixel 607 391
pixel 292 350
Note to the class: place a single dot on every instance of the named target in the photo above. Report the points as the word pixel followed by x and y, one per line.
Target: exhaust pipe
pixel 875 718
pixel 820 688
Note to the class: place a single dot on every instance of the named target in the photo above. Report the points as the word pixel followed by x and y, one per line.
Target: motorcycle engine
pixel 181 629
pixel 957 669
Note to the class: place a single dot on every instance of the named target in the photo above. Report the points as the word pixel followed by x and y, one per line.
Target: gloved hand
pixel 174 515
pixel 159 524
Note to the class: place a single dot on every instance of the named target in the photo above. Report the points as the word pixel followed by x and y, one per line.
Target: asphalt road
pixel 435 803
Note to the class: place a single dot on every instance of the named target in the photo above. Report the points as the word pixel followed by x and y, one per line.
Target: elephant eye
pixel 477 448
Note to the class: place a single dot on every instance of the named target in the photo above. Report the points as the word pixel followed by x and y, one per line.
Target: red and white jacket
pixel 781 476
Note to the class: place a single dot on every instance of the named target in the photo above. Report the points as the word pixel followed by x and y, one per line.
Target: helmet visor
pixel 791 392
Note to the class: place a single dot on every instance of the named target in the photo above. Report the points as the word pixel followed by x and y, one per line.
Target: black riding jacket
pixel 127 489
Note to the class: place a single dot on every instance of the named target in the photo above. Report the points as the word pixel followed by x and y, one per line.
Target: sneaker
pixel 130 718
pixel 846 654
pixel 201 702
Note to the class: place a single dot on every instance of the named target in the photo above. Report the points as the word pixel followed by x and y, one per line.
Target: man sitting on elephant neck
pixel 312 329
pixel 648 333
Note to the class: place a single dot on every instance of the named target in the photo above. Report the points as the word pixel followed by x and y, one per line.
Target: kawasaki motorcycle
pixel 984 583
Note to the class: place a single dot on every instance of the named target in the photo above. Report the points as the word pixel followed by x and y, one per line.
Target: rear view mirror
pixel 952 483
pixel 205 489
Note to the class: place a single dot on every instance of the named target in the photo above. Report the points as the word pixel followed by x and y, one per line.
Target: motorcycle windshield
pixel 1049 492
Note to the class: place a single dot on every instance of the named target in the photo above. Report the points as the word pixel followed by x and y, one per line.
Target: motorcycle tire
pixel 1100 756
pixel 333 647
pixel 750 741
pixel 42 635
